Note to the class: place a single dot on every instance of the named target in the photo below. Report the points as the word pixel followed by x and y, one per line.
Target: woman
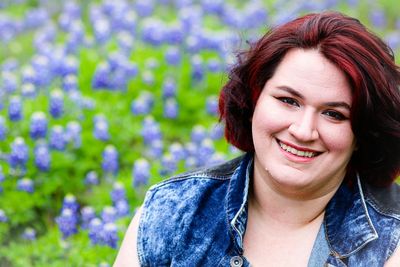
pixel 315 104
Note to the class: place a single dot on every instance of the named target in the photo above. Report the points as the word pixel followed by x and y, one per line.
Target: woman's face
pixel 301 128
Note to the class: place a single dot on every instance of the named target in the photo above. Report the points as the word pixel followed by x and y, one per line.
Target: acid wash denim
pixel 199 219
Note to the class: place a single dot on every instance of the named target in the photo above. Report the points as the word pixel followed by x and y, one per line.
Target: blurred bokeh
pixel 101 99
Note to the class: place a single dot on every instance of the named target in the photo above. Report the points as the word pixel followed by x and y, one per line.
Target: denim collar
pixel 348 226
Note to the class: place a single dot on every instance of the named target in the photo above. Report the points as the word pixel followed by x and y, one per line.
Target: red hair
pixel 369 66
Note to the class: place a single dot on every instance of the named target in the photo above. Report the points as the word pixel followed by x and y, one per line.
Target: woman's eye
pixel 335 115
pixel 289 101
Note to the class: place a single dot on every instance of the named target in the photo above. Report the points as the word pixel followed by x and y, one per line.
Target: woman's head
pixel 365 60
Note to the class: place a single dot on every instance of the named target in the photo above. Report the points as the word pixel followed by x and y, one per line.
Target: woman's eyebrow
pixel 334 104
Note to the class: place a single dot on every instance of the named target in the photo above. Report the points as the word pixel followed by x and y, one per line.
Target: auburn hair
pixel 366 60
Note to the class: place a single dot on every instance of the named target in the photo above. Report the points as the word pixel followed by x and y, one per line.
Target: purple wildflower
pixel 217 131
pixel 28 90
pixel 197 68
pixel 198 134
pixel 102 30
pixel 110 235
pixel 3 216
pixel 122 208
pixel 171 108
pixel 212 105
pixel 141 172
pixel 169 88
pixel 38 125
pixel 168 165
pixel 118 192
pixel 144 8
pixel 92 178
pixel 73 133
pixel 143 104
pixel 87 214
pixel 19 153
pixel 177 151
pixel 57 138
pixel 56 103
pixel 151 130
pixel 67 223
pixel 70 203
pixel 3 128
pixel 42 157
pixel 213 65
pixel 29 234
pixel 101 128
pixel 173 56
pixel 26 185
pixel 110 160
pixel 15 108
pixel 155 149
pixel 70 83
pixel 95 231
pixel 109 214
pixel 10 82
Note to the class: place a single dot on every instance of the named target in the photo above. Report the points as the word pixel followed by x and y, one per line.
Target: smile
pixel 298 152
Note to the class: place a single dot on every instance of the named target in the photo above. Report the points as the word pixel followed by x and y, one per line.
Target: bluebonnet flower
pixel 150 130
pixel 212 105
pixel 41 66
pixel 189 16
pixel 169 165
pixel 155 149
pixel 10 82
pixel 198 134
pixel 122 208
pixel 42 157
pixel 110 234
pixel 102 76
pixel 153 31
pixel 171 108
pixel 56 107
pixel 15 108
pixel 95 231
pixel 206 150
pixel 92 178
pixel 193 44
pixel 35 18
pixel 216 158
pixel 255 15
pixel 102 30
pixel 38 125
pixel 29 75
pixel 19 153
pixel 87 215
pixel 28 90
pixel 57 138
pixel 378 18
pixel 197 68
pixel 3 128
pixel 67 222
pixel 2 177
pixel 110 160
pixel 174 34
pixel 177 151
pixel 141 172
pixel 143 104
pixel 393 40
pixel 191 148
pixel 169 88
pixel 217 131
pixel 214 65
pixel 118 192
pixel 70 203
pixel 101 128
pixel 109 214
pixel 72 9
pixel 213 6
pixel 29 234
pixel 73 133
pixel 125 41
pixel 3 216
pixel 191 162
pixel 69 66
pixel 173 56
pixel 144 8
pixel 70 83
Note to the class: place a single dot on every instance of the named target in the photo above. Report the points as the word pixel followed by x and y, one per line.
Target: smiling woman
pixel 315 105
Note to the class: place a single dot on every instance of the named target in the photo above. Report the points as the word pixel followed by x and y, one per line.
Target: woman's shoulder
pixel 385 200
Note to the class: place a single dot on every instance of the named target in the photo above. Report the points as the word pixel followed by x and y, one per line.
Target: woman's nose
pixel 304 127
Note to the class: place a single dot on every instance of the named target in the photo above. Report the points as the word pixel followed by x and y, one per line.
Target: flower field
pixel 101 99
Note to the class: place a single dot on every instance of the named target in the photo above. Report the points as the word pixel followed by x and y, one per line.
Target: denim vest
pixel 199 219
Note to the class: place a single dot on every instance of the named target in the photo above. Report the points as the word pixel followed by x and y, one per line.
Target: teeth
pixel 296 152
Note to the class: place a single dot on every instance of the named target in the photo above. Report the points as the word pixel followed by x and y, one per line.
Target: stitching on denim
pixel 372 201
pixel 244 202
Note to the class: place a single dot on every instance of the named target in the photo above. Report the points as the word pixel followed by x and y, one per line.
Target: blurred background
pixel 101 99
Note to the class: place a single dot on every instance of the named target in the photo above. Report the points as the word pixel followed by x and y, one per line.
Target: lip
pixel 295 158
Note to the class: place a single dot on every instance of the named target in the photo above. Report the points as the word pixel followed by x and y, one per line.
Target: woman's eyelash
pixel 288 100
pixel 335 115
